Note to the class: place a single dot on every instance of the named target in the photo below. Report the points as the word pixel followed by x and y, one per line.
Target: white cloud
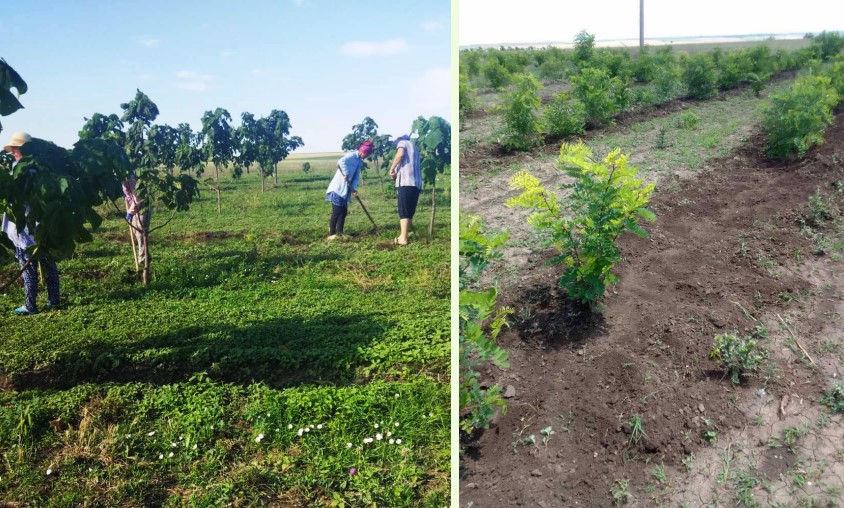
pixel 432 26
pixel 363 49
pixel 431 92
pixel 190 80
pixel 149 42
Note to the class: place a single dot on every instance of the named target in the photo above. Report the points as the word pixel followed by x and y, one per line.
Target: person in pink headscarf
pixel 343 186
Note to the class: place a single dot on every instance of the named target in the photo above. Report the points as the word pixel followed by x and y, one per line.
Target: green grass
pixel 253 322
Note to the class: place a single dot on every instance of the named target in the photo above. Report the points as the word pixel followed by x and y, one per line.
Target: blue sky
pixel 327 63
pixel 502 21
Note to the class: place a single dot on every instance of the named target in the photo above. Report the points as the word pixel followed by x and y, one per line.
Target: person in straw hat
pixel 22 240
pixel 343 186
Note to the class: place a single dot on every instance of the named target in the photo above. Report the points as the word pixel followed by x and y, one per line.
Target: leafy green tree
pixel 188 153
pixel 246 140
pixel 163 144
pixel 155 188
pixel 64 189
pixel 434 145
pixel 218 148
pixel 10 79
pixel 521 121
pixel 275 145
pixel 584 48
pixel 606 200
pixel 306 167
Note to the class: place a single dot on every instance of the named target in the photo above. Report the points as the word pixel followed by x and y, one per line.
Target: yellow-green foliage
pixel 606 200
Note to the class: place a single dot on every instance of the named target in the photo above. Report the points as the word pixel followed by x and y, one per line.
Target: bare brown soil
pixel 722 253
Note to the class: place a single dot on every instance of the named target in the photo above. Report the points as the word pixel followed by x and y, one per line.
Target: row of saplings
pixel 599 94
pixel 605 201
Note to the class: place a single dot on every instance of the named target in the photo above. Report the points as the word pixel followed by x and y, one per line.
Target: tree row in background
pixel 606 82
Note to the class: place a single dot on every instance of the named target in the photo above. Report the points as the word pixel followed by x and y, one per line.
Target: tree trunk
pixel 275 170
pixel 218 191
pixel 378 174
pixel 144 222
pixel 433 210
pixel 262 180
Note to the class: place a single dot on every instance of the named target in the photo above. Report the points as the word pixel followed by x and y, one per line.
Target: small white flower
pixel 430 415
pixel 398 441
pixel 319 426
pixel 268 415
pixel 376 425
pixel 194 446
pixel 307 429
pixel 300 432
pixel 181 437
pixel 277 430
pixel 367 440
pixel 90 470
pixel 49 471
pixel 151 433
pixel 173 445
pixel 397 424
pixel 289 425
pixel 171 454
pixel 259 438
pixel 389 434
pixel 392 441
pixel 397 395
pixel 128 436
pixel 379 437
pixel 161 456
pixel 348 445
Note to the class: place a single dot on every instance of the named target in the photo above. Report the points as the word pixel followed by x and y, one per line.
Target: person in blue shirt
pixel 22 240
pixel 343 186
pixel 406 169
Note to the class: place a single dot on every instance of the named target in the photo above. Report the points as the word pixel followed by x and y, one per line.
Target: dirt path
pixel 724 241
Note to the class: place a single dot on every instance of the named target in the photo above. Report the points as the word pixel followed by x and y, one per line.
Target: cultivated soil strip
pixel 726 251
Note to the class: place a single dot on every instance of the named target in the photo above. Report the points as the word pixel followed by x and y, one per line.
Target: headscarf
pixel 366 147
pixel 401 138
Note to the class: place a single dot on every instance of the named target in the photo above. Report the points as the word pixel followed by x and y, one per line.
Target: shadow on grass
pixel 279 352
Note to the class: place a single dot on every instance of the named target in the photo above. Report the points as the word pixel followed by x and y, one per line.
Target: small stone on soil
pixel 472 486
pixel 536 472
pixel 510 392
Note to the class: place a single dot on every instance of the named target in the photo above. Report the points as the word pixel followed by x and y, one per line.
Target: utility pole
pixel 641 26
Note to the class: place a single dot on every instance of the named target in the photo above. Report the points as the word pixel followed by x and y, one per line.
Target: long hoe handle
pixel 374 226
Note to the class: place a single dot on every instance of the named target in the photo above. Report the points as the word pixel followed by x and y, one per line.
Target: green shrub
pixel 644 67
pixel 666 81
pixel 699 76
pixel 797 117
pixel 836 77
pixel 757 83
pixel 496 75
pixel 471 60
pixel 827 44
pixel 480 325
pixel 688 120
pixel 733 69
pixel 553 68
pixel 521 123
pixel 606 200
pixel 739 355
pixel 598 94
pixel 833 398
pixel 564 117
pixel 466 100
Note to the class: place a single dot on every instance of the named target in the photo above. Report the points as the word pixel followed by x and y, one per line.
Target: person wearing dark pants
pixel 406 169
pixel 343 186
pixel 22 240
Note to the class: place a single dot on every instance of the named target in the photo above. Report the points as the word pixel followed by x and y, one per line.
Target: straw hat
pixel 18 139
